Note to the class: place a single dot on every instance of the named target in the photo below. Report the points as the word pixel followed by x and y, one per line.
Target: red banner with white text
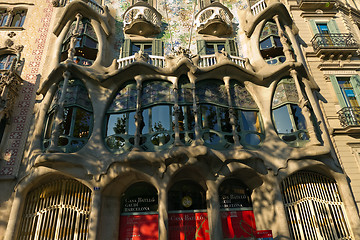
pixel 139 227
pixel 188 225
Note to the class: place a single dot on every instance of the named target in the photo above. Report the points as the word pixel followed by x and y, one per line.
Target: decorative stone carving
pixel 55 3
pixel 11 34
pixel 178 55
pixel 141 56
pixel 9 42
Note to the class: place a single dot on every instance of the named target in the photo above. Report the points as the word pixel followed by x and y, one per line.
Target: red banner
pixel 237 224
pixel 264 235
pixel 184 226
pixel 139 227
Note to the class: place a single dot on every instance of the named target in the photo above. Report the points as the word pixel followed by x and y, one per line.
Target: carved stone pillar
pixel 286 47
pixel 10 12
pixel 176 112
pixel 304 105
pixel 73 39
pixel 196 117
pixel 214 214
pixel 59 115
pixel 138 115
pixel 232 112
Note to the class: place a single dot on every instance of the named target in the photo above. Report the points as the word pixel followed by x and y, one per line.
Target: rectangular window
pixel 347 91
pixel 322 28
pixel 145 47
pixel 212 48
pixel 154 47
pixel 209 48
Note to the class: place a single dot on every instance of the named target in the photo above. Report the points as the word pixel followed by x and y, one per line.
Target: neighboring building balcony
pixel 160 61
pixel 334 44
pixel 92 3
pixel 316 4
pixel 142 19
pixel 215 19
pixel 349 116
pixel 258 7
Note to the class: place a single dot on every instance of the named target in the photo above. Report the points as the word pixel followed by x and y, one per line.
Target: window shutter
pixel 338 91
pixel 313 27
pixel 355 83
pixel 230 47
pixel 333 28
pixel 126 48
pixel 157 47
pixel 201 47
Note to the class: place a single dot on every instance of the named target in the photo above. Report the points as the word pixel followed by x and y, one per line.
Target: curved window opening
pixel 6 61
pixel 139 212
pixel 314 207
pixel 157 100
pixel 76 128
pixel 271 48
pixel 120 119
pixel 3 17
pixel 248 120
pixel 86 46
pixel 237 216
pixel 187 211
pixel 288 118
pixel 212 100
pixel 59 208
pixel 186 115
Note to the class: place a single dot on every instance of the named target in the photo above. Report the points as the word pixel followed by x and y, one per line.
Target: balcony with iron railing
pixel 160 62
pixel 334 44
pixel 349 116
pixel 215 19
pixel 316 4
pixel 142 19
pixel 91 3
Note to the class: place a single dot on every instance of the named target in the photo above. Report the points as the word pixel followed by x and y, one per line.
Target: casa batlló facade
pixel 179 119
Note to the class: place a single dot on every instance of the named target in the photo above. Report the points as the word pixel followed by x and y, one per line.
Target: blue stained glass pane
pixel 349 93
pixel 282 120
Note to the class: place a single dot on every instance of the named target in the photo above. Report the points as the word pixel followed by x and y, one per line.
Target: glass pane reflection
pixel 160 116
pixel 208 117
pixel 298 117
pixel 282 120
pixel 250 121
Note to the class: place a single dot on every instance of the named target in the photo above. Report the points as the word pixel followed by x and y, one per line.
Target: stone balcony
pixel 215 19
pixel 334 45
pixel 316 4
pixel 142 19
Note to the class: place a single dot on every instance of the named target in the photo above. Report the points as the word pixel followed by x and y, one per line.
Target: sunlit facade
pixel 177 120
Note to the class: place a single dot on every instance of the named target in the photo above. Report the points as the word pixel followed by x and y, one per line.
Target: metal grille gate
pixel 314 207
pixel 57 210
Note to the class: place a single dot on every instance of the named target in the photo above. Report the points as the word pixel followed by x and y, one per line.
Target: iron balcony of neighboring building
pixel 334 45
pixel 349 116
pixel 142 19
pixel 316 4
pixel 215 19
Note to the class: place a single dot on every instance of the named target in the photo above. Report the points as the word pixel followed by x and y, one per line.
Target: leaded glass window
pixel 6 60
pixel 248 121
pixel 76 128
pixel 288 118
pixel 120 119
pixel 271 47
pixel 86 46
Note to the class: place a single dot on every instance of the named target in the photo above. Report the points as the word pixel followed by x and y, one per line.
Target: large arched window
pixel 139 212
pixel 187 211
pixel 86 46
pixel 288 118
pixel 120 119
pixel 314 207
pixel 59 209
pixel 76 128
pixel 211 96
pixel 157 100
pixel 6 60
pixel 248 122
pixel 237 215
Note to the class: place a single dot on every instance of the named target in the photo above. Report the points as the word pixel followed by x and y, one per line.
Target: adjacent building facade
pixel 179 119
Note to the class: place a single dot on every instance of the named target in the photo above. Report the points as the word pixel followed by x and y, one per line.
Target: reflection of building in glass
pixel 179 119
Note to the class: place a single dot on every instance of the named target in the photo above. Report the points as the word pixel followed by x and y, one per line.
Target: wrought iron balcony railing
pixel 333 41
pixel 349 116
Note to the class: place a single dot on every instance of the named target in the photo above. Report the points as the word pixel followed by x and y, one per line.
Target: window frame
pixel 10 14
